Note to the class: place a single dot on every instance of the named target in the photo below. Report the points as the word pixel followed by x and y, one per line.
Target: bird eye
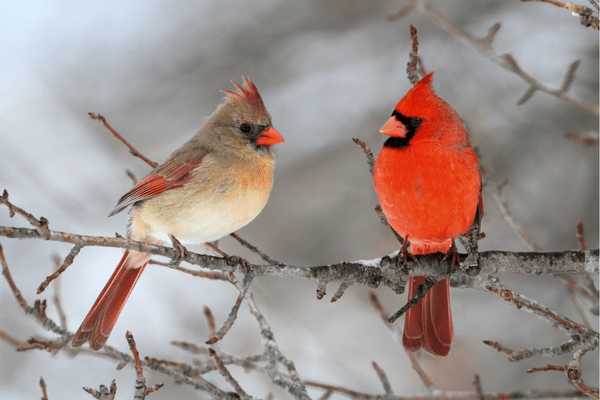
pixel 416 121
pixel 245 128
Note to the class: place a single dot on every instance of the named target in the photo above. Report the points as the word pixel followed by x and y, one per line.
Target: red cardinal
pixel 428 182
pixel 211 186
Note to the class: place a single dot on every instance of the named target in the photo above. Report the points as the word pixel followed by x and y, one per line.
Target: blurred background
pixel 328 70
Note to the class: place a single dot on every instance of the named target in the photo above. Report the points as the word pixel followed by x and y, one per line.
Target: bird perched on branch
pixel 211 186
pixel 428 182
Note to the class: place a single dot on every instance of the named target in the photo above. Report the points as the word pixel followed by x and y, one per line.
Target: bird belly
pixel 430 195
pixel 199 217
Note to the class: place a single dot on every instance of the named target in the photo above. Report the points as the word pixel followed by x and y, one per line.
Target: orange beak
pixel 269 137
pixel 394 128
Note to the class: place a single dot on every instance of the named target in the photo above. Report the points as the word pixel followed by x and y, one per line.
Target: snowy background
pixel 328 70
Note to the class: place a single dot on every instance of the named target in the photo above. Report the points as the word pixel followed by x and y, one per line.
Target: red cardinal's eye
pixel 245 128
pixel 416 121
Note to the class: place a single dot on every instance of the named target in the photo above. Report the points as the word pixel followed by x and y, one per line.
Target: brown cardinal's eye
pixel 416 121
pixel 245 128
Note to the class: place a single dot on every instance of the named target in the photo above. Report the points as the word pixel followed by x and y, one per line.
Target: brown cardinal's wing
pixel 174 173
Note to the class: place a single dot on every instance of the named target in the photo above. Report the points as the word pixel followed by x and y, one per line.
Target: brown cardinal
pixel 211 186
pixel 428 182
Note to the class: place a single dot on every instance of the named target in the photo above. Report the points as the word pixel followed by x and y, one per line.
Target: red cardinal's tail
pixel 101 319
pixel 429 323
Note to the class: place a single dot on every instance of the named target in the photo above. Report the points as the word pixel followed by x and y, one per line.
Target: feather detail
pixel 170 175
pixel 428 323
pixel 101 319
pixel 247 100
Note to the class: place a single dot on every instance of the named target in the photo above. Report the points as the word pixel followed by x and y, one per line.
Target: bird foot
pixel 453 255
pixel 243 263
pixel 180 251
pixel 404 254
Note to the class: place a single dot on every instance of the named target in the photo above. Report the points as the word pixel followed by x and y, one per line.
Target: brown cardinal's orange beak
pixel 269 137
pixel 394 128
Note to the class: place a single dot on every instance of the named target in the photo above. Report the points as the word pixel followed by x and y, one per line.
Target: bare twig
pixel 478 389
pixel 141 391
pixel 506 61
pixel 590 141
pixel 255 249
pixel 385 382
pixel 421 372
pixel 210 319
pixel 340 292
pixel 498 195
pixel 43 387
pixel 56 298
pixel 587 16
pixel 41 225
pixel 413 57
pixel 103 393
pixel 368 153
pixel 419 294
pixel 227 375
pixel 68 261
pixel 134 152
pixel 11 282
pixel 233 314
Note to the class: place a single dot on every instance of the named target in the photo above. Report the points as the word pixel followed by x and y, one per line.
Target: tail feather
pixel 98 324
pixel 429 323
pixel 412 337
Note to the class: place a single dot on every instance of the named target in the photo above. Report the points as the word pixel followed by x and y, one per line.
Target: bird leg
pixel 452 253
pixel 180 251
pixel 404 253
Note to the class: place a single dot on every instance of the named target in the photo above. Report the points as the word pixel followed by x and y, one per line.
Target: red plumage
pixel 101 319
pixel 428 182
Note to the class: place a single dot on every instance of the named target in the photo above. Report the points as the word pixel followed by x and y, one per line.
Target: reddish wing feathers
pixel 170 175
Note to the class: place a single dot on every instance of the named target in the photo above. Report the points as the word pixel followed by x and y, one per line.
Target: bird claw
pixel 243 263
pixel 453 255
pixel 180 251
pixel 404 254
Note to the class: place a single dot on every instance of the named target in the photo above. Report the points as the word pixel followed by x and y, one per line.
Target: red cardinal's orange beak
pixel 394 128
pixel 269 137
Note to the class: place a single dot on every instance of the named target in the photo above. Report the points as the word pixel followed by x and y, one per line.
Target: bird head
pixel 249 115
pixel 420 113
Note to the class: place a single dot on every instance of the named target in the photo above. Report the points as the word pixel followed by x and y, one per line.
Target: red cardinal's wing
pixel 172 174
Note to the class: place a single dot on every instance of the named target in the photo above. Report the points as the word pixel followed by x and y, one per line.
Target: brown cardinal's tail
pixel 101 319
pixel 429 323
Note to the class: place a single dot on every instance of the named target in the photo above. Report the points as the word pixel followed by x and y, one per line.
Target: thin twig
pixel 233 314
pixel 103 393
pixel 57 298
pixel 385 382
pixel 43 387
pixel 340 292
pixel 68 261
pixel 227 375
pixel 419 294
pixel 413 57
pixel 484 47
pixel 210 319
pixel 498 195
pixel 587 16
pixel 368 153
pixel 99 118
pixel 255 249
pixel 11 282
